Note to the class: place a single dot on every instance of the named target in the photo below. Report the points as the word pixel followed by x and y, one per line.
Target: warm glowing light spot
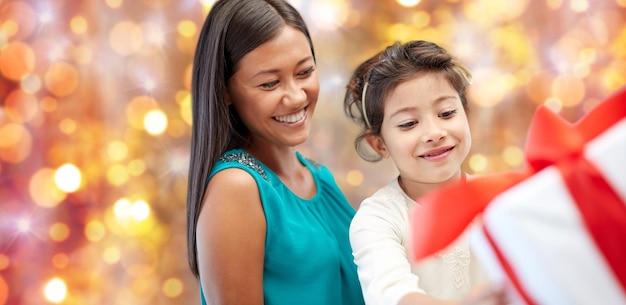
pixel 61 79
pixel 4 263
pixel 155 122
pixel 113 3
pixel 554 4
pixel 117 150
pixel 17 59
pixel 55 290
pixel 16 143
pixel 185 106
pixel 95 231
pixel 10 135
pixel 513 156
pixel 579 6
pixel 21 106
pixel 409 3
pixel 172 287
pixel 154 34
pixel 23 225
pixel 140 210
pixel 3 40
pixel 136 167
pixel 46 17
pixel 67 126
pixel 187 28
pixel 354 177
pixel 568 89
pixel 59 231
pixel 207 3
pixel 117 174
pixel 329 15
pixel 4 291
pixel 48 104
pixel 420 19
pixel 68 178
pixel 31 83
pixel 43 189
pixel 111 255
pixel 478 163
pixel 554 104
pixel 60 260
pixel 126 38
pixel 490 87
pixel 10 27
pixel 138 108
pixel 122 208
pixel 79 25
pixel 149 85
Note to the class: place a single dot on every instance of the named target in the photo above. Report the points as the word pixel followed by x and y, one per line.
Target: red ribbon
pixel 444 214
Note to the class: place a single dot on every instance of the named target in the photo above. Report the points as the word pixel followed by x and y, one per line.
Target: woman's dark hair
pixel 384 71
pixel 231 30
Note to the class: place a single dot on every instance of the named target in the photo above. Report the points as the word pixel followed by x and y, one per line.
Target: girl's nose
pixel 433 131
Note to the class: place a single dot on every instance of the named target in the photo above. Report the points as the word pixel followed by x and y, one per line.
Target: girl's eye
pixel 447 114
pixel 407 125
pixel 307 71
pixel 269 85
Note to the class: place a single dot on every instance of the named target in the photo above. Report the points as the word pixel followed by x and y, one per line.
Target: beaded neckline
pixel 244 158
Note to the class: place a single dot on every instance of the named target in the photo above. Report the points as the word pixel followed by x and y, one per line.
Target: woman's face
pixel 275 89
pixel 425 130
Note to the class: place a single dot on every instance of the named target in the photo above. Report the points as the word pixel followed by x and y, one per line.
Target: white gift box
pixel 538 229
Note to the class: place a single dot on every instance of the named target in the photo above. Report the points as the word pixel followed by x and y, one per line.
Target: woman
pixel 265 224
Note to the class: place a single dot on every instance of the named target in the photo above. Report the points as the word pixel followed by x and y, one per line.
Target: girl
pixel 411 101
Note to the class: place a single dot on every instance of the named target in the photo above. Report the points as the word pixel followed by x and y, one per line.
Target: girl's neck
pixel 417 189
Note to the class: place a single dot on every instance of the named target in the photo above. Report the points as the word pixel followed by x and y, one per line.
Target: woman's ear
pixel 227 97
pixel 378 145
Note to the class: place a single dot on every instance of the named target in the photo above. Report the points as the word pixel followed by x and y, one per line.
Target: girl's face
pixel 275 89
pixel 425 130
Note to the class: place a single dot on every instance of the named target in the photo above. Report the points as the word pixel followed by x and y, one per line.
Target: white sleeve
pixel 376 235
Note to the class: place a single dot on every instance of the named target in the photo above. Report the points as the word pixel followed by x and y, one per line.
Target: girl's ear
pixel 378 144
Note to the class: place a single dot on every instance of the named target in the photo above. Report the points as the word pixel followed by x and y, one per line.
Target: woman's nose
pixel 295 94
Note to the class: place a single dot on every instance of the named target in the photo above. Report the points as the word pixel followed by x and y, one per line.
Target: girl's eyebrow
pixel 412 108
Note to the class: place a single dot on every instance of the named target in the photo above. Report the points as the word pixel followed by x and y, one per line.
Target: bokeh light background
pixel 95 120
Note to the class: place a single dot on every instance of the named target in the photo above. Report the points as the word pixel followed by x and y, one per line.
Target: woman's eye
pixel 269 85
pixel 307 71
pixel 447 114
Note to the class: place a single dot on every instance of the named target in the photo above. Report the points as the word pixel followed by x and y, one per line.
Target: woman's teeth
pixel 291 118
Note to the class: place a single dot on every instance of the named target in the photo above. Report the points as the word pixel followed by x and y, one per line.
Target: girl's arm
pixel 376 235
pixel 231 240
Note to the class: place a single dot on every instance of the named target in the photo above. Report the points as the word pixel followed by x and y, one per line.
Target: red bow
pixel 444 214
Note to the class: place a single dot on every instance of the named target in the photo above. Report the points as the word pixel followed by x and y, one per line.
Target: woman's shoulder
pixel 239 158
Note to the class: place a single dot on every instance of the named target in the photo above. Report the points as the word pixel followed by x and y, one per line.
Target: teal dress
pixel 308 258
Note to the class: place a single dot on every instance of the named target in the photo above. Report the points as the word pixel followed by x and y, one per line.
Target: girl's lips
pixel 437 154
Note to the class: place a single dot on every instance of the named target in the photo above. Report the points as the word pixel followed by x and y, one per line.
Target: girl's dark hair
pixel 231 30
pixel 384 71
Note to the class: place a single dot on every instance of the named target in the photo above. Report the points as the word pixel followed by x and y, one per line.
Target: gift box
pixel 554 233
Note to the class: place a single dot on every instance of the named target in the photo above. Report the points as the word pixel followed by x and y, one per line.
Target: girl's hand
pixel 486 294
